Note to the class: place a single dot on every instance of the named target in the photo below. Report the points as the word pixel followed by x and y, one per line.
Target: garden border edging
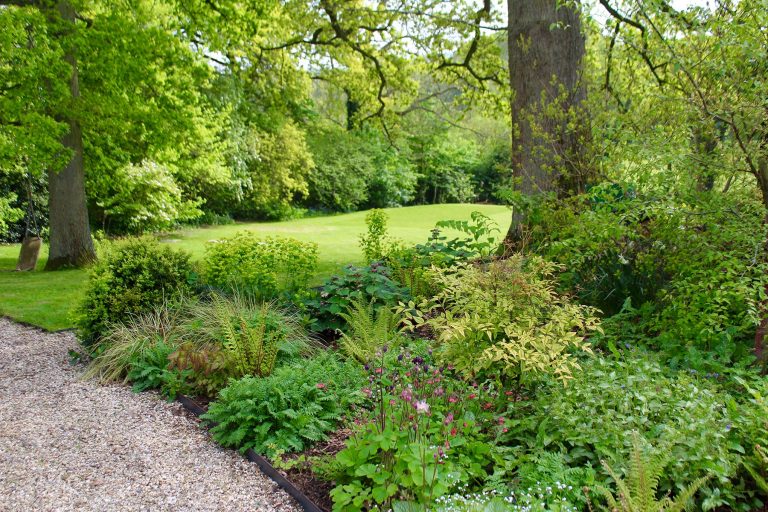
pixel 263 464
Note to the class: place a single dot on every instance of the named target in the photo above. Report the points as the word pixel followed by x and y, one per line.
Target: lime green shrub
pixel 504 317
pixel 263 267
pixel 132 278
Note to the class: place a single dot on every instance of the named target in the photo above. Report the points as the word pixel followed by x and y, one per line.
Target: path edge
pixel 264 465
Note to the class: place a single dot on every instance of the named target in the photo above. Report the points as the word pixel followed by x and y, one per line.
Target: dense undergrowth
pixel 616 342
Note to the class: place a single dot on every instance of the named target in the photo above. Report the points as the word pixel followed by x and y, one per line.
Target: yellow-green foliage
pixel 504 317
pixel 265 267
pixel 370 328
pixel 637 493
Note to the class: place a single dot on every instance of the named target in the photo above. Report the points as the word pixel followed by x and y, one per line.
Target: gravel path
pixel 66 444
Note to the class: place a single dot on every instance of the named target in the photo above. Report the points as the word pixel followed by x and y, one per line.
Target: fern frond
pixel 637 493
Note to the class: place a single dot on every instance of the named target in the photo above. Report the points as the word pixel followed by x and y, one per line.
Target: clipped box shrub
pixel 263 267
pixel 131 278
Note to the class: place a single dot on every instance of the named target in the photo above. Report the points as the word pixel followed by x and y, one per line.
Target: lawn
pixel 46 298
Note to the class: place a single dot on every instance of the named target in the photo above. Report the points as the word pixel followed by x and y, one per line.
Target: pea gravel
pixel 69 444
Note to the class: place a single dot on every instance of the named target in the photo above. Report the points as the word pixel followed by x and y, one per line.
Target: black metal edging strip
pixel 264 465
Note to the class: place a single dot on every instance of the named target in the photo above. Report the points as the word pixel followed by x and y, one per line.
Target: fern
pixel 638 492
pixel 370 329
pixel 250 333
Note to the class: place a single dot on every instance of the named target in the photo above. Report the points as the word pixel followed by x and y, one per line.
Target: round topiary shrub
pixel 131 278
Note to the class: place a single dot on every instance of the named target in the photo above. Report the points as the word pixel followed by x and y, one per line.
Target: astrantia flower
pixel 320 385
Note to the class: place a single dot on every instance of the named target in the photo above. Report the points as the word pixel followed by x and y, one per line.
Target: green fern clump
pixel 250 333
pixel 294 407
pixel 638 492
pixel 369 330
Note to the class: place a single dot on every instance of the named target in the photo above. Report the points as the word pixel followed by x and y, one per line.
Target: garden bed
pixel 310 492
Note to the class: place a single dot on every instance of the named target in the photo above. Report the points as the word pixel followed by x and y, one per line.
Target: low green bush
pixel 503 318
pixel 132 278
pixel 372 284
pixel 150 370
pixel 700 427
pixel 264 268
pixel 289 410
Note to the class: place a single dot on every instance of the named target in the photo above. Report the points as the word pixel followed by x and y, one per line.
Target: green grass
pixel 45 299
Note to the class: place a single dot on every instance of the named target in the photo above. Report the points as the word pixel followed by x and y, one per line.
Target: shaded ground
pixel 66 444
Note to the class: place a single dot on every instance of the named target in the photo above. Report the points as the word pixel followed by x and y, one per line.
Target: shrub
pixel 272 169
pixel 141 198
pixel 295 406
pixel 688 418
pixel 366 284
pixel 682 271
pixel 131 279
pixel 264 268
pixel 374 242
pixel 343 167
pixel 505 318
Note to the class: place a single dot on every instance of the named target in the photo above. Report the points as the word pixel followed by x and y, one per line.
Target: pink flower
pixel 448 419
pixel 367 392
pixel 439 392
pixel 453 399
pixel 422 407
pixel 453 431
pixel 472 396
pixel 406 395
pixel 501 420
pixel 379 370
pixel 320 385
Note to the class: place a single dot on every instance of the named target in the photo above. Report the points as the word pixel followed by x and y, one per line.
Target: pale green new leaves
pixel 504 318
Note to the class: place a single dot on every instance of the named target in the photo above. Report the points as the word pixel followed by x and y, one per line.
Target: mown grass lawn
pixel 45 299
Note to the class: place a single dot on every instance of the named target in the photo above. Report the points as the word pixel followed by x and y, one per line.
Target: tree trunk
pixel 762 328
pixel 71 244
pixel 546 48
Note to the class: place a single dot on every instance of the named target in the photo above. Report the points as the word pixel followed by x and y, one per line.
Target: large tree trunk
pixel 71 244
pixel 546 48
